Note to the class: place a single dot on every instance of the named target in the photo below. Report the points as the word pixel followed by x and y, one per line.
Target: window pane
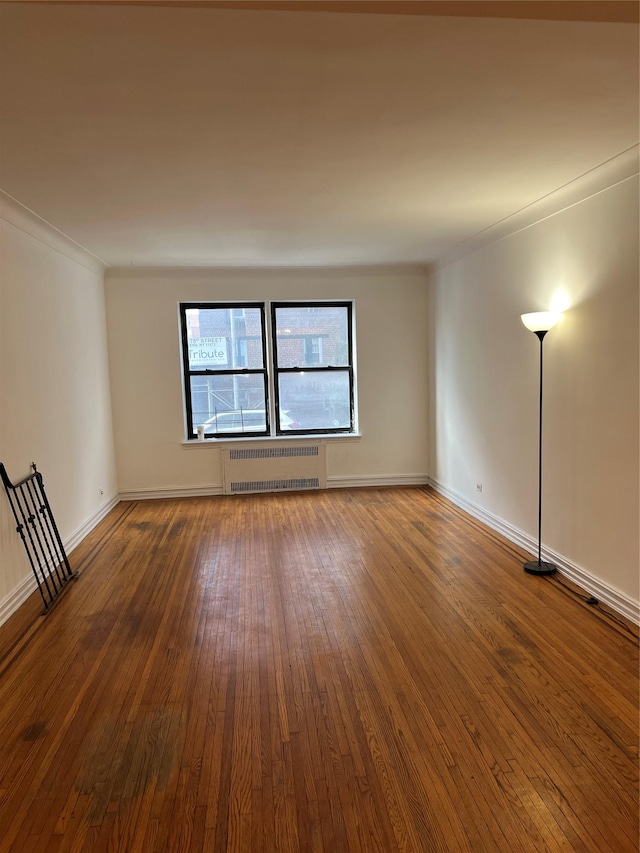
pixel 313 336
pixel 240 420
pixel 228 403
pixel 224 338
pixel 316 400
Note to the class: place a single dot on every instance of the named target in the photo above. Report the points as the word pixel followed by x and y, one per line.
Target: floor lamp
pixel 539 323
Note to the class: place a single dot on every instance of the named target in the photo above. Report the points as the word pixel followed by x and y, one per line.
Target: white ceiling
pixel 191 136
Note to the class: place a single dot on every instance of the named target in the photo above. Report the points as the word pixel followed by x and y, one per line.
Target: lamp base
pixel 533 567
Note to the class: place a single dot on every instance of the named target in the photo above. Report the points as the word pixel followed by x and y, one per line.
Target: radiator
pixel 274 469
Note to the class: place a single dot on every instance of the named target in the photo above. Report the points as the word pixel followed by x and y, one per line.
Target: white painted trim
pixel 614 598
pixel 614 171
pixel 21 217
pixel 278 273
pixel 360 481
pixel 27 585
pixel 170 492
pixel 17 597
pixel 270 440
pixel 609 595
pixel 79 534
pixel 371 480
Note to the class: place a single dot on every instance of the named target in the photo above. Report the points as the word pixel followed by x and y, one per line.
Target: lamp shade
pixel 540 321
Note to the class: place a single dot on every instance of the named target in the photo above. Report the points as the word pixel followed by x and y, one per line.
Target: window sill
pixel 321 437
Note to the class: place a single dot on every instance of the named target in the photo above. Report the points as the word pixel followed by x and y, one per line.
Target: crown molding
pixel 24 219
pixel 205 272
pixel 620 168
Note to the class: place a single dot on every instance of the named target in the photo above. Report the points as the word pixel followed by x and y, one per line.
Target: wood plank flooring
pixel 364 670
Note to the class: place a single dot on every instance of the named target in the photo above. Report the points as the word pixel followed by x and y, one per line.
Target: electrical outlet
pixel 101 490
pixel 478 487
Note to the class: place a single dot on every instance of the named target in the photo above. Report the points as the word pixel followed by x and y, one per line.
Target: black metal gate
pixel 39 534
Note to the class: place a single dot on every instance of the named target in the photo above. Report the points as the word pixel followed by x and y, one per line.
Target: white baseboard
pixel 79 534
pixel 612 597
pixel 17 597
pixel 170 492
pixel 609 595
pixel 27 585
pixel 372 480
pixel 332 483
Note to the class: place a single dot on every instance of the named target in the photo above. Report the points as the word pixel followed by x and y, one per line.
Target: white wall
pixel 54 385
pixel 484 383
pixel 147 385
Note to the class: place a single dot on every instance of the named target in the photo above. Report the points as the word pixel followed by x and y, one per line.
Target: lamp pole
pixel 540 323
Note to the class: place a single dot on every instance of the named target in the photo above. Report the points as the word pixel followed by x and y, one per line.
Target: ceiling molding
pixel 24 219
pixel 204 273
pixel 621 168
pixel 263 141
pixel 612 11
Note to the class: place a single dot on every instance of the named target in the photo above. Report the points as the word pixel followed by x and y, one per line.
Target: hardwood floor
pixel 365 670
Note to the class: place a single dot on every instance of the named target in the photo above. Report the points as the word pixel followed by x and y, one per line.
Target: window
pixel 261 369
pixel 225 372
pixel 312 363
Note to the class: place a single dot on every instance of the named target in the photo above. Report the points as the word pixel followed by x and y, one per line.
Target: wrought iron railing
pixel 39 533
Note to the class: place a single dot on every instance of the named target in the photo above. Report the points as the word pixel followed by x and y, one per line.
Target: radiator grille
pixel 274 469
pixel 275 485
pixel 274 452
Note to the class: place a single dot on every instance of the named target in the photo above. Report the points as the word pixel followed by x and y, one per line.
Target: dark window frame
pixel 348 368
pixel 189 372
pixel 270 370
